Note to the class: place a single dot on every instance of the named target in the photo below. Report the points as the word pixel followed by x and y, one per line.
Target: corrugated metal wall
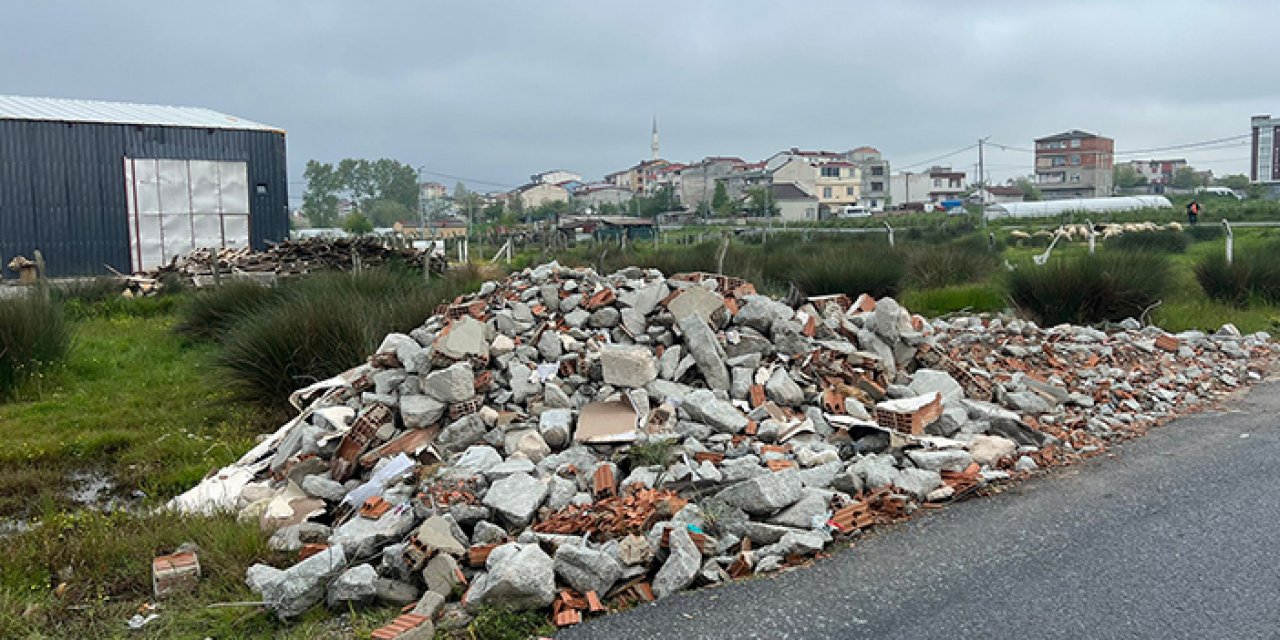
pixel 62 187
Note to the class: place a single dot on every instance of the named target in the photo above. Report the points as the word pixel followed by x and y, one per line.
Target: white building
pixel 1264 165
pixel 555 176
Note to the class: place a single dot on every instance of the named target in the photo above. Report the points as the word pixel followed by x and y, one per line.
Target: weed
pixel 975 298
pixel 651 453
pixel 930 267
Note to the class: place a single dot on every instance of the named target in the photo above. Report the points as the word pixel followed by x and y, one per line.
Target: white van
pixel 854 211
pixel 1219 191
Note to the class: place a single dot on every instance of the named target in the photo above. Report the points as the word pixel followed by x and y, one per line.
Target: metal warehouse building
pixel 93 185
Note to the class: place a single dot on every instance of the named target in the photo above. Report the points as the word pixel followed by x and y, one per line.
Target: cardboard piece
pixel 606 423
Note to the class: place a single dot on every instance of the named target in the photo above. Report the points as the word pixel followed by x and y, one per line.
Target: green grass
pixel 133 401
pixel 975 298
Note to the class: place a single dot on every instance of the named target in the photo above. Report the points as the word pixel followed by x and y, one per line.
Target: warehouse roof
pixel 102 112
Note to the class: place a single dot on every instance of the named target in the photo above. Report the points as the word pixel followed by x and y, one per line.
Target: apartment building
pixel 1075 164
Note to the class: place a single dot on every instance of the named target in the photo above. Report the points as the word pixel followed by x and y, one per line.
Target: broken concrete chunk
pixel 453 384
pixel 630 366
pixel 682 565
pixel 303 585
pixel 766 493
pixel 516 497
pixel 354 588
pixel 586 569
pixel 519 576
pixel 706 351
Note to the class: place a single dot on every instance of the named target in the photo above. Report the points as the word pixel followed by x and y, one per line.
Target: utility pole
pixel 982 197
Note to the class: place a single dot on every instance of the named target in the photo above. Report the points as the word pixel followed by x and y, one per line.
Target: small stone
pixel 556 427
pixel 941 460
pixel 987 450
pixel 395 592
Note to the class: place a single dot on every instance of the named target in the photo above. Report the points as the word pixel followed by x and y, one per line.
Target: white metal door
pixel 175 206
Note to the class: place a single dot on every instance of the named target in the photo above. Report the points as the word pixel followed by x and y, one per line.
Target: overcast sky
pixel 494 91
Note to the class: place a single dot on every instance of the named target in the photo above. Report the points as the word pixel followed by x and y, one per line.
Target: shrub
pixel 1090 289
pixel 1163 241
pixel 877 270
pixel 324 324
pixel 931 267
pixel 210 312
pixel 34 335
pixel 1253 274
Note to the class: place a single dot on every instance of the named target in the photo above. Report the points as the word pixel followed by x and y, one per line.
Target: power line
pixel 466 179
pixel 942 157
pixel 1188 145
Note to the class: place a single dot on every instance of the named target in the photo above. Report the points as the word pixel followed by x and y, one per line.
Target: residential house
pixel 637 178
pixel 555 176
pixel 839 184
pixel 875 177
pixel 1264 163
pixel 750 175
pixel 698 180
pixel 668 177
pixel 913 190
pixel 535 195
pixel 1075 164
pixel 997 194
pixel 430 190
pixel 1158 171
pixel 794 203
pixel 602 193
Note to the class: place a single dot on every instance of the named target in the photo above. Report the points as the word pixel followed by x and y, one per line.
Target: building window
pixel 1075 158
pixel 1075 177
pixel 937 182
pixel 848 191
pixel 877 170
pixel 877 186
pixel 1058 161
pixel 831 172
pixel 260 189
pixel 826 192
pixel 1075 143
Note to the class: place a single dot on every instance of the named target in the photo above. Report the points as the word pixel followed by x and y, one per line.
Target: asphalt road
pixel 1174 535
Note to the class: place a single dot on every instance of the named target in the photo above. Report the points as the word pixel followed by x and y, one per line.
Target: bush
pixel 1090 289
pixel 1163 241
pixel 873 269
pixel 211 312
pixel 324 324
pixel 931 267
pixel 1253 274
pixel 34 335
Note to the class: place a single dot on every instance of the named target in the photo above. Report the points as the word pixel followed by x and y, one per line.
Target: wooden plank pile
pixel 207 266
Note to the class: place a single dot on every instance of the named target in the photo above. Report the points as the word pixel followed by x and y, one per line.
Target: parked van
pixel 1219 191
pixel 855 211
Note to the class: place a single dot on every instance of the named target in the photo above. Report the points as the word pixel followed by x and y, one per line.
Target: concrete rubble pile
pixel 570 440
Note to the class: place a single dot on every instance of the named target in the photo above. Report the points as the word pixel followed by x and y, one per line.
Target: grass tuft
pixel 1162 241
pixel 34 337
pixel 1087 290
pixel 1253 276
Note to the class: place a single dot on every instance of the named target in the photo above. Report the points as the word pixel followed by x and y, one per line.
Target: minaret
pixel 654 145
